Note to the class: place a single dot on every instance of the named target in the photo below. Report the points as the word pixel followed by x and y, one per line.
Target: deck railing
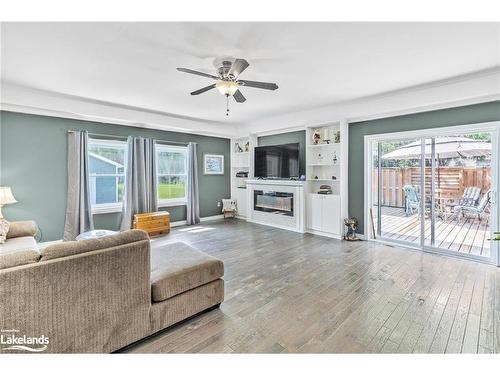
pixel 450 180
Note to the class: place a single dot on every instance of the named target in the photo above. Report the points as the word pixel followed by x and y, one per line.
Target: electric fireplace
pixel 280 203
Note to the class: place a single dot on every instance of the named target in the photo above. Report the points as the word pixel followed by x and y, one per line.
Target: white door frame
pixel 493 127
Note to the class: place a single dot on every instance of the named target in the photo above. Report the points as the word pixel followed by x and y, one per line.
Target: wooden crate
pixel 155 223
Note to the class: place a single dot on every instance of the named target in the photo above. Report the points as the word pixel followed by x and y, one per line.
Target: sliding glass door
pixel 436 192
pixel 397 206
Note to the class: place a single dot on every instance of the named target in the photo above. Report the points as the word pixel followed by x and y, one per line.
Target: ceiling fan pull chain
pixel 227 105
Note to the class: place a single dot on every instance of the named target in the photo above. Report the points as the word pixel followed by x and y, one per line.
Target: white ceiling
pixel 314 64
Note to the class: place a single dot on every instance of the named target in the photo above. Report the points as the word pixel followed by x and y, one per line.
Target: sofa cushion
pixel 67 248
pixel 26 228
pixel 177 268
pixel 18 251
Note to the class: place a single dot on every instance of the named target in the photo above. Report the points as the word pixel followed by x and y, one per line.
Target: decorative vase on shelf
pixel 335 158
pixel 316 138
pixel 247 146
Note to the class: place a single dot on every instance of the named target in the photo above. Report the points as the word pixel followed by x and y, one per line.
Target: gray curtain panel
pixel 193 205
pixel 78 209
pixel 140 180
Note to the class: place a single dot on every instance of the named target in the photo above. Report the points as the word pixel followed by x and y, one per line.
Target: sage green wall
pixel 33 156
pixel 284 138
pixel 472 114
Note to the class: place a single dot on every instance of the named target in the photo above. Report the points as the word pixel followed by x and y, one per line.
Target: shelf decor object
pixel 337 136
pixel 316 137
pixel 237 148
pixel 326 136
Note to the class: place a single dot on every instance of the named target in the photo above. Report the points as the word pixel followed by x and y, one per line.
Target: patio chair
pixel 476 208
pixel 470 197
pixel 412 200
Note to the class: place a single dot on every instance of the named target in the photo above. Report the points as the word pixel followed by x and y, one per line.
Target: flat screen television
pixel 279 161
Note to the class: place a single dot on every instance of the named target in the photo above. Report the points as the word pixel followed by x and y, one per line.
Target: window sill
pixel 107 208
pixel 117 207
pixel 172 203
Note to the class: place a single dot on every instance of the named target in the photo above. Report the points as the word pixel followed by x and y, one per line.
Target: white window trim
pixel 106 208
pixel 174 201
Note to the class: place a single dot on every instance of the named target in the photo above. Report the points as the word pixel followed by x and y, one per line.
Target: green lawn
pixel 170 191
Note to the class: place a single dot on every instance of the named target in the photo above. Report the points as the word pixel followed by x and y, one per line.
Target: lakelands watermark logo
pixel 12 340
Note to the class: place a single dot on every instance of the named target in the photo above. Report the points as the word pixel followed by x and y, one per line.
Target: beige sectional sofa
pixel 100 295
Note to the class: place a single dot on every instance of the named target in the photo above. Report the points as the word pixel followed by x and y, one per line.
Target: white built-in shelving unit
pixel 326 164
pixel 324 160
pixel 241 161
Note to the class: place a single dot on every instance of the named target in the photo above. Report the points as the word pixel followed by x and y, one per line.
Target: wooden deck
pixel 465 235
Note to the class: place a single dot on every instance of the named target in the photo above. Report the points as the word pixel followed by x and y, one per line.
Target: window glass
pixel 107 171
pixel 171 173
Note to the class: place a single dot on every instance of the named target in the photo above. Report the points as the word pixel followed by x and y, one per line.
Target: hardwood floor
pixel 293 293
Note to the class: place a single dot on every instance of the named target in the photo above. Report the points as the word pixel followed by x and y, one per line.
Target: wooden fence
pixel 450 180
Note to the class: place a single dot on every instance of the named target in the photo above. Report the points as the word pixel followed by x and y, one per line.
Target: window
pixel 107 174
pixel 171 174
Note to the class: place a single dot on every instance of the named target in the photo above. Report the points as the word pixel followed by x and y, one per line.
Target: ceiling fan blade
pixel 259 85
pixel 238 67
pixel 238 96
pixel 185 70
pixel 201 91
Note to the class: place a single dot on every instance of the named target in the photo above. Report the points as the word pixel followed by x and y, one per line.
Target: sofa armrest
pixel 22 229
pixel 96 301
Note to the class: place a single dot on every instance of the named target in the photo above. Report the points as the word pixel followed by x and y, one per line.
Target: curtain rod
pixel 161 141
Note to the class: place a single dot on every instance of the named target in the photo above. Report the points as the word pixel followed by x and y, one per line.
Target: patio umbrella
pixel 445 148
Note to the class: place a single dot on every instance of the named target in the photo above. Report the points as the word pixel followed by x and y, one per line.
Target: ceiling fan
pixel 227 82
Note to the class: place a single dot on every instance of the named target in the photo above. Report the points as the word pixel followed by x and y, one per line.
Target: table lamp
pixel 6 197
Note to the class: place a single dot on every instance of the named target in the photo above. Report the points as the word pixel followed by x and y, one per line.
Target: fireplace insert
pixel 273 202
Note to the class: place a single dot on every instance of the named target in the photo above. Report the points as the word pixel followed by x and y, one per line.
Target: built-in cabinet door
pixel 330 214
pixel 323 213
pixel 241 199
pixel 314 212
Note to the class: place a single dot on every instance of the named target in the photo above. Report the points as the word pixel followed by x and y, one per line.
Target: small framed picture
pixel 213 164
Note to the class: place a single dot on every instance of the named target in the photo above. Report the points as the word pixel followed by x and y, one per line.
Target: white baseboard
pixel 275 225
pixel 202 220
pixel 179 223
pixel 210 218
pixel 324 234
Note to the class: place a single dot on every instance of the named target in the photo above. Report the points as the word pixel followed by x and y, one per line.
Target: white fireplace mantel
pixel 296 222
pixel 277 182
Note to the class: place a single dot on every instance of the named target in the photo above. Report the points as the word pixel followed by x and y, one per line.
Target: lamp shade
pixel 6 196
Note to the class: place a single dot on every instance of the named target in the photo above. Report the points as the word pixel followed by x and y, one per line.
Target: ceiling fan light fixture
pixel 226 87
